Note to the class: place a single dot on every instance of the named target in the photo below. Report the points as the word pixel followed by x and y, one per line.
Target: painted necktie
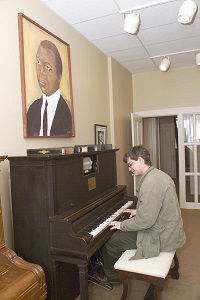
pixel 45 119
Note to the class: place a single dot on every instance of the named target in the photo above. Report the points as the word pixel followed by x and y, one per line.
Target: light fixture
pixel 131 22
pixel 132 19
pixel 164 64
pixel 186 12
pixel 198 59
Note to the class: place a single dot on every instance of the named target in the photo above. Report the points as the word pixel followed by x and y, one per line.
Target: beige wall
pixel 90 84
pixel 160 90
pixel 122 108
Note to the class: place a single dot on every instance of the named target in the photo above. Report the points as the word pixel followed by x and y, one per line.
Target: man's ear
pixel 141 160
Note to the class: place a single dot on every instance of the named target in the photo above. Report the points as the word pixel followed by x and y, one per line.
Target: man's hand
pixel 132 212
pixel 115 225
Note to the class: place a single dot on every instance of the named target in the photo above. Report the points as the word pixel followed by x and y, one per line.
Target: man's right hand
pixel 132 212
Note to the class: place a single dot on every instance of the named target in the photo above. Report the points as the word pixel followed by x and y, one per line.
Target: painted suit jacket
pixel 62 122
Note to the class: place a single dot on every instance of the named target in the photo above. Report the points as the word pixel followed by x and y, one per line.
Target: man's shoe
pixel 104 280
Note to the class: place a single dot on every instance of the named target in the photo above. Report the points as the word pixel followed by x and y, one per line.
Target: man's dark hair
pixel 136 152
pixel 52 47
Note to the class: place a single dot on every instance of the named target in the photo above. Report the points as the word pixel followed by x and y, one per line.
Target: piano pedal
pixel 97 267
pixel 105 286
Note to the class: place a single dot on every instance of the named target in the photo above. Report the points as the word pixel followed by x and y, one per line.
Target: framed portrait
pixel 46 82
pixel 100 133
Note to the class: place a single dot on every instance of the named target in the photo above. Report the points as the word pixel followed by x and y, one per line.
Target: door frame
pixel 179 111
pixel 137 139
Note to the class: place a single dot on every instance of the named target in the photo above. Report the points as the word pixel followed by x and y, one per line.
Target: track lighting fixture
pixel 164 64
pixel 131 22
pixel 186 12
pixel 132 19
pixel 185 15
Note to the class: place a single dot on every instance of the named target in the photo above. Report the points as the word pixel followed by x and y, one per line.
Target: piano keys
pixel 105 224
pixel 61 213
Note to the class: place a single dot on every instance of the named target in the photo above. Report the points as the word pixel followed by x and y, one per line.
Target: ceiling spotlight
pixel 187 12
pixel 131 22
pixel 198 59
pixel 164 64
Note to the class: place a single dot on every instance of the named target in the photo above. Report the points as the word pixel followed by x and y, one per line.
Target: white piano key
pixel 105 224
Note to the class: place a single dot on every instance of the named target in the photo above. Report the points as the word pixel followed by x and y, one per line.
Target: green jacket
pixel 158 219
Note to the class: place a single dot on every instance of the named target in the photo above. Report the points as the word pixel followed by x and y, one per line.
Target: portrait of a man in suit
pixel 50 115
pixel 101 137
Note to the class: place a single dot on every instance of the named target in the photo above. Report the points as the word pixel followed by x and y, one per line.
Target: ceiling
pixel 159 33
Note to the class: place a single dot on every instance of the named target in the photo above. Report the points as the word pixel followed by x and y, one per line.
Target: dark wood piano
pixel 61 207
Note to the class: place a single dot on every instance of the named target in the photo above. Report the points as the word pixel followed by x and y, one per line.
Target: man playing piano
pixel 154 226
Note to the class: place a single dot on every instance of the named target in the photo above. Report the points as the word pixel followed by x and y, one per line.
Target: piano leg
pixel 83 280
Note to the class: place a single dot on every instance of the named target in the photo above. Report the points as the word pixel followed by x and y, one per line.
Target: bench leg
pixel 151 293
pixel 125 290
pixel 173 272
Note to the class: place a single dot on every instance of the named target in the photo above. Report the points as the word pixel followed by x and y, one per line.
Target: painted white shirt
pixel 51 109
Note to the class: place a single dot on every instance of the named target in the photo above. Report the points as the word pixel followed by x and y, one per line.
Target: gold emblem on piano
pixel 91 183
pixel 43 151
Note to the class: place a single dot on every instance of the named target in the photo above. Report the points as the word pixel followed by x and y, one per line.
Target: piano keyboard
pixel 94 232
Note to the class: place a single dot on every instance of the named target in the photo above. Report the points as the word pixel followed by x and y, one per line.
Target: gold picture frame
pixel 45 74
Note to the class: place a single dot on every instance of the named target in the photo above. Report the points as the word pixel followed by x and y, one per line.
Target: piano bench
pixel 153 270
pixel 19 279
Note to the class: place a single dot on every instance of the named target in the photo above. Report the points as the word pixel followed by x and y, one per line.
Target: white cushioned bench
pixel 153 270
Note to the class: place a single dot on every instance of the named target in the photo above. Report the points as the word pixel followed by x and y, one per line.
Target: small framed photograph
pixel 100 132
pixel 46 82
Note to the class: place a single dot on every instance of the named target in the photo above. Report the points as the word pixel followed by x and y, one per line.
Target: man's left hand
pixel 115 225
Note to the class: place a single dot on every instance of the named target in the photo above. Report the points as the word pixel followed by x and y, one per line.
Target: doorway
pixel 160 135
pixel 187 149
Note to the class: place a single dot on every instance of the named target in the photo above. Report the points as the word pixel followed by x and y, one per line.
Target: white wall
pixel 122 108
pixel 171 89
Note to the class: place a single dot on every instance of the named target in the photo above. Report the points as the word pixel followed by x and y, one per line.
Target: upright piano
pixel 62 205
